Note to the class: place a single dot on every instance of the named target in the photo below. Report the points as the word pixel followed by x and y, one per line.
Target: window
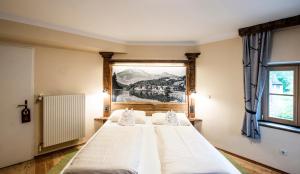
pixel 281 95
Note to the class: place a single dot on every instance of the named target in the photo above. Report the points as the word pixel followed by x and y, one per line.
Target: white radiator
pixel 63 118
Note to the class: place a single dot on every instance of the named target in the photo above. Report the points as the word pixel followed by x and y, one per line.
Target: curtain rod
pixel 281 23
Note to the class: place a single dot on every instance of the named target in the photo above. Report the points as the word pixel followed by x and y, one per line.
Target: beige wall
pixel 62 71
pixel 17 32
pixel 286 44
pixel 220 75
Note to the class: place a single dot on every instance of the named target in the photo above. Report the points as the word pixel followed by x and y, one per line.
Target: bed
pixel 183 149
pixel 144 159
pixel 148 149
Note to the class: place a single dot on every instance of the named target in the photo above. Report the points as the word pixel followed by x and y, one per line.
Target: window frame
pixel 266 115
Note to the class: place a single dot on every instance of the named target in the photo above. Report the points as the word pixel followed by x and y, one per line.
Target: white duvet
pixel 113 150
pixel 183 150
pixel 148 149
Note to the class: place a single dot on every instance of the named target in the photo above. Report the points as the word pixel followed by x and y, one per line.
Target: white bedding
pixel 116 149
pixel 148 149
pixel 150 163
pixel 183 150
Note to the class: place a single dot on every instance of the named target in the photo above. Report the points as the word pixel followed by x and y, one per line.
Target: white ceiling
pixel 149 21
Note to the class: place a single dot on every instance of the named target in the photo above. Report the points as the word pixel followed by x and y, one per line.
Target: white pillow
pixel 140 116
pixel 115 115
pixel 159 118
pixel 171 118
pixel 127 118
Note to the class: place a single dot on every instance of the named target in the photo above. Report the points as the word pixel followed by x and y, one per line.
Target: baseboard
pixel 252 161
pixel 58 149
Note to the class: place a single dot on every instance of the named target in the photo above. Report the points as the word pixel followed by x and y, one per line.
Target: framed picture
pixel 148 83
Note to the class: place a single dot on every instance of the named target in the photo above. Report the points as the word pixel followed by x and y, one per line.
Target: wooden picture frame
pixel 149 108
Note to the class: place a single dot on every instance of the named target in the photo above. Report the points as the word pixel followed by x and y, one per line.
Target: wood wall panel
pixel 152 108
pixel 106 81
pixel 148 107
pixel 191 70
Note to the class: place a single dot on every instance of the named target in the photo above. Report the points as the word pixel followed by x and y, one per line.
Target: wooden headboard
pixel 148 107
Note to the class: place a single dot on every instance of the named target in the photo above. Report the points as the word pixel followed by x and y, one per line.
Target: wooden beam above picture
pixel 106 55
pixel 273 25
pixel 146 61
pixel 190 56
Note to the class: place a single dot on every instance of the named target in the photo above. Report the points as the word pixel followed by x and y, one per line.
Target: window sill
pixel 279 126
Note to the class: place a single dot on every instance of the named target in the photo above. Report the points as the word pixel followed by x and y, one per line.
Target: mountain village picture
pixel 149 84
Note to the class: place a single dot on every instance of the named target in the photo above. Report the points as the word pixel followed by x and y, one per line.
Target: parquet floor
pixel 39 165
pixel 251 168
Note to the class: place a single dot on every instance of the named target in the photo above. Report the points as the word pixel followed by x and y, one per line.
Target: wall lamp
pixel 193 93
pixel 105 91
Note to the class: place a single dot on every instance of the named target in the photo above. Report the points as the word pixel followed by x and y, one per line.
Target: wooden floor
pixel 251 168
pixel 40 165
pixel 43 164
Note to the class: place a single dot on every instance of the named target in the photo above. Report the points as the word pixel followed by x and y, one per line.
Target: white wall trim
pixel 57 27
pixel 163 43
